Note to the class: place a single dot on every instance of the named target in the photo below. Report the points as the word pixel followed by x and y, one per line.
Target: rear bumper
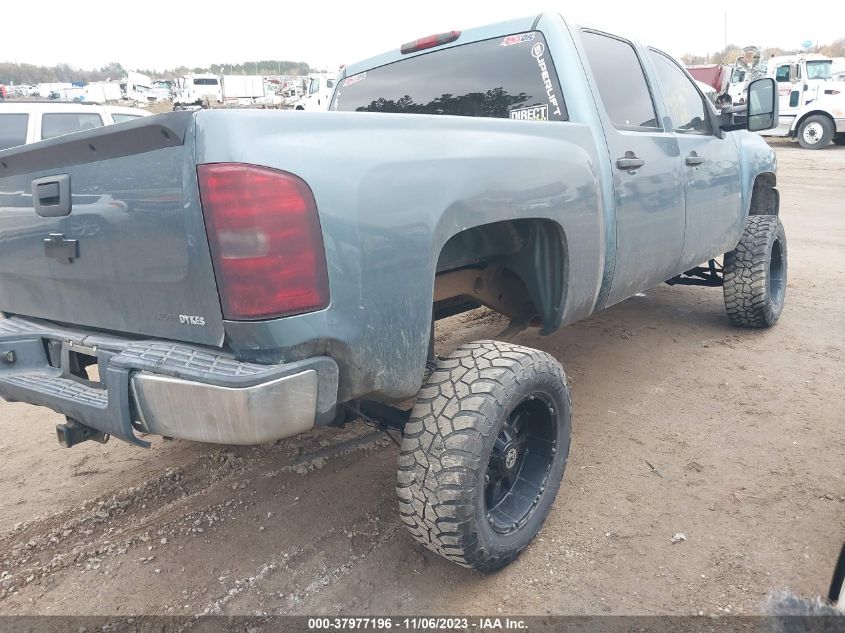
pixel 163 388
pixel 202 412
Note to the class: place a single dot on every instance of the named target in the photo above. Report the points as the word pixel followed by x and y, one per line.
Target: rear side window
pixel 621 81
pixel 506 77
pixel 205 81
pixel 120 118
pixel 782 74
pixel 58 123
pixel 13 130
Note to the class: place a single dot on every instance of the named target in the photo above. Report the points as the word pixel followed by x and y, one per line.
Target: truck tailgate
pixel 131 255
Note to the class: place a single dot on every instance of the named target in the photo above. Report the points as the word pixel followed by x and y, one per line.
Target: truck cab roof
pixel 470 35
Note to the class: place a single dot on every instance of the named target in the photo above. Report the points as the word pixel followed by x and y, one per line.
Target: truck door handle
pixel 51 196
pixel 694 159
pixel 629 161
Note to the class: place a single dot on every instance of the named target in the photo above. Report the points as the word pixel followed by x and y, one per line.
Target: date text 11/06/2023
pixel 417 624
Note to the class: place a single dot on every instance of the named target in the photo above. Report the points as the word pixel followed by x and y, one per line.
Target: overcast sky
pixel 162 35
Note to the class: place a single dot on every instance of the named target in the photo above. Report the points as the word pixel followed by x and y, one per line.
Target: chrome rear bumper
pixel 161 387
pixel 225 415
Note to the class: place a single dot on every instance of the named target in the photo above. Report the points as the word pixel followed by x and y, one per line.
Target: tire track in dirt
pixel 183 500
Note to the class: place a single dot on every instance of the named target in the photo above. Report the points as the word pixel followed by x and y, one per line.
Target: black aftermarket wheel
pixel 755 273
pixel 484 452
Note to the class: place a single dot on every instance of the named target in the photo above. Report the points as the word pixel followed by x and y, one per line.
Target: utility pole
pixel 725 50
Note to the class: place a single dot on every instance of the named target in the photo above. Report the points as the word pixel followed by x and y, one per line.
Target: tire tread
pixel 442 449
pixel 746 274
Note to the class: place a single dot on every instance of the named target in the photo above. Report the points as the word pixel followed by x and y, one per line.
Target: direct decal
pixel 534 113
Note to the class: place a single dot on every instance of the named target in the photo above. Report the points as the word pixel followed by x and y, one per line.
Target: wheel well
pixel 516 267
pixel 765 199
pixel 808 115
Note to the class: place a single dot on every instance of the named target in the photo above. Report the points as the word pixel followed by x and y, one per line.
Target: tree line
pixel 729 55
pixel 32 74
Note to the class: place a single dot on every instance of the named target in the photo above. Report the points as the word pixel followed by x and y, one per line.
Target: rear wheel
pixel 755 273
pixel 815 132
pixel 484 453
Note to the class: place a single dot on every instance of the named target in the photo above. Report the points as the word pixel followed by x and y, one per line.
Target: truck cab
pixel 318 92
pixel 195 90
pixel 812 103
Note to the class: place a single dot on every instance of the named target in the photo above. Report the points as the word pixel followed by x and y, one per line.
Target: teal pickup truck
pixel 244 276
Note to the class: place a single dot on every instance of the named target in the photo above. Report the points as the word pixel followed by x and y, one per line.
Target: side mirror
pixel 762 105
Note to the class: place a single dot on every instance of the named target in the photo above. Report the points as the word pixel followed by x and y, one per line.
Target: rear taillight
pixel 265 241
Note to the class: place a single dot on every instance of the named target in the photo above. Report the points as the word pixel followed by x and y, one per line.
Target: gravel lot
pixel 681 424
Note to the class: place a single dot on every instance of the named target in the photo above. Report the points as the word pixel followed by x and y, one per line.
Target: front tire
pixel 755 273
pixel 816 132
pixel 484 453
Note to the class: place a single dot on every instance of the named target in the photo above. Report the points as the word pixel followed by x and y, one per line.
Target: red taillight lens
pixel 265 241
pixel 429 42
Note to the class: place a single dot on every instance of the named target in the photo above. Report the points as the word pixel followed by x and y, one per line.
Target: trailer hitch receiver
pixel 73 432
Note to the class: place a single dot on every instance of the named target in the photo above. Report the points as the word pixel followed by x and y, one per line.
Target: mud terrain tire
pixel 484 453
pixel 755 273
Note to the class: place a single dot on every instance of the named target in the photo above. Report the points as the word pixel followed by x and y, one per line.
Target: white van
pixel 23 122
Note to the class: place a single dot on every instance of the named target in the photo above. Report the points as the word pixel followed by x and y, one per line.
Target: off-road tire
pixel 822 139
pixel 755 273
pixel 448 442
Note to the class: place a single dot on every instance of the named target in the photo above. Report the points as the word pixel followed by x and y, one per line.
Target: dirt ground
pixel 682 424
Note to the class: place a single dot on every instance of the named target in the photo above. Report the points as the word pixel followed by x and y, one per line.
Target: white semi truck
pixel 811 96
pixel 812 103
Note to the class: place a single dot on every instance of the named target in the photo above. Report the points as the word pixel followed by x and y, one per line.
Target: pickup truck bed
pixel 387 205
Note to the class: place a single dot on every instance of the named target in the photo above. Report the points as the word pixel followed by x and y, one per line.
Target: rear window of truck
pixel 58 123
pixel 13 130
pixel 505 77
